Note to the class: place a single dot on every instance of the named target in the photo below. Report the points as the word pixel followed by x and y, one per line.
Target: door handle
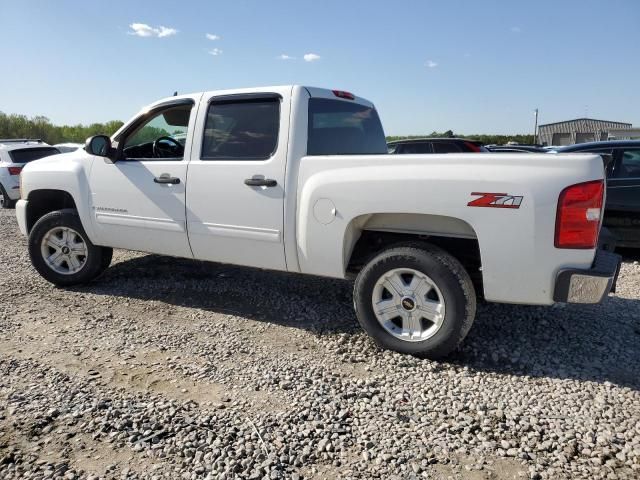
pixel 165 178
pixel 260 182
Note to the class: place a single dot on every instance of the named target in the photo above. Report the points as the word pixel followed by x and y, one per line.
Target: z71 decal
pixel 495 200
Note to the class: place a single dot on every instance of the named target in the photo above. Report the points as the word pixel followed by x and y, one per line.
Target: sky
pixel 463 65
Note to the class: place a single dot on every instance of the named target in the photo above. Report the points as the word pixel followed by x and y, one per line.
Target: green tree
pixel 20 126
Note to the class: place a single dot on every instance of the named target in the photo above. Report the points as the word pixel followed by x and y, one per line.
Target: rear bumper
pixel 588 286
pixel 21 215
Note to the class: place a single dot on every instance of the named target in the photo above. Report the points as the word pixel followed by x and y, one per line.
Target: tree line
pixel 486 139
pixel 21 126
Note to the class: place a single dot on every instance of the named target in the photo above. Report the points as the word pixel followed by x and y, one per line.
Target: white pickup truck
pixel 298 179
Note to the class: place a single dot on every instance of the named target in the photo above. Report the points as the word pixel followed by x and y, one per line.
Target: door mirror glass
pixel 99 145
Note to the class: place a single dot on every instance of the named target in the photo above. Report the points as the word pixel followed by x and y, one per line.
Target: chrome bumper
pixel 588 286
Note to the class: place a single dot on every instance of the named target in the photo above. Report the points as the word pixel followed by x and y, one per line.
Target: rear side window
pixel 445 147
pixel 343 128
pixel 26 155
pixel 241 130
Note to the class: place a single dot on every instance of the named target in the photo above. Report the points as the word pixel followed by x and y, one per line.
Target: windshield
pixel 337 127
pixel 25 155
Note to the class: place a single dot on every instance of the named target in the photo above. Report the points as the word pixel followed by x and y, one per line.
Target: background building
pixel 579 130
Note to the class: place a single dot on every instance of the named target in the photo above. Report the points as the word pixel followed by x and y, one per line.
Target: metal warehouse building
pixel 579 130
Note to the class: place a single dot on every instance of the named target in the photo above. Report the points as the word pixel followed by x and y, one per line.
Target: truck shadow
pixel 598 343
pixel 629 254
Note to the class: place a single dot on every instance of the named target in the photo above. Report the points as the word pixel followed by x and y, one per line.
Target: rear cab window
pixel 338 127
pixel 26 155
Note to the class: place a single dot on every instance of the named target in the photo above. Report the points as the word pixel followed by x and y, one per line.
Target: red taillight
pixel 578 216
pixel 14 170
pixel 343 94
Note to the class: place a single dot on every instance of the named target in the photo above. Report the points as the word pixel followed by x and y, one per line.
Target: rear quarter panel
pixel 519 260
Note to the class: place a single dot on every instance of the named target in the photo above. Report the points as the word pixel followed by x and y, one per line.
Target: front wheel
pixel 415 299
pixel 61 251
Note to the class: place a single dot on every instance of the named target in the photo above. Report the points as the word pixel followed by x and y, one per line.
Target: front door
pixel 138 201
pixel 236 179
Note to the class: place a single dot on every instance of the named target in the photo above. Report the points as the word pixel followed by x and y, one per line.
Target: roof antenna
pixel 175 94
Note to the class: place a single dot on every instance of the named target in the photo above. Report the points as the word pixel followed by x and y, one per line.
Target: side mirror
pixel 99 145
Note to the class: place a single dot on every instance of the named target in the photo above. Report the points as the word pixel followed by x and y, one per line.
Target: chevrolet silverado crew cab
pixel 299 179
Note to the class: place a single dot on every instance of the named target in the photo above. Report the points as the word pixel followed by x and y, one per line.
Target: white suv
pixel 14 154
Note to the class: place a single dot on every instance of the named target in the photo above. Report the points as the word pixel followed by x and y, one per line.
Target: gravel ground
pixel 168 368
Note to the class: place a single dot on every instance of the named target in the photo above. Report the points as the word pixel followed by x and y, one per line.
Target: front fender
pixel 67 173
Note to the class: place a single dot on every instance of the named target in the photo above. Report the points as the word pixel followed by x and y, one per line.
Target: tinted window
pixel 241 130
pixel 25 155
pixel 424 147
pixel 343 128
pixel 445 147
pixel 630 166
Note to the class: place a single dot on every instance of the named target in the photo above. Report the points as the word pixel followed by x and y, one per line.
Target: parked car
pixel 298 179
pixel 435 145
pixel 622 211
pixel 14 154
pixel 68 147
pixel 515 148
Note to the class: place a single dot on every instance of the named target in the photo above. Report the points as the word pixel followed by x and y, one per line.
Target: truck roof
pixel 312 91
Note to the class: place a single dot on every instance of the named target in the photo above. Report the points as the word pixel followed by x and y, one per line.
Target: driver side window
pixel 161 136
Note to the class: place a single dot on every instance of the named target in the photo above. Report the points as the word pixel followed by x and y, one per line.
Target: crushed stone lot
pixel 170 368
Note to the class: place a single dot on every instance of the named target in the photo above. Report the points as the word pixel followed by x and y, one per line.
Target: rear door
pixel 236 179
pixel 623 198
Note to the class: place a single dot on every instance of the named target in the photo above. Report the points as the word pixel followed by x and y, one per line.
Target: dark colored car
pixel 436 145
pixel 516 149
pixel 622 211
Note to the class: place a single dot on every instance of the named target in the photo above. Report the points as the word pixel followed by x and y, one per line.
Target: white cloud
pixel 215 52
pixel 144 30
pixel 212 36
pixel 311 57
pixel 516 29
pixel 431 64
pixel 284 56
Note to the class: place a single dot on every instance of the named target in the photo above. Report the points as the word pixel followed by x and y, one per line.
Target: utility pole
pixel 535 128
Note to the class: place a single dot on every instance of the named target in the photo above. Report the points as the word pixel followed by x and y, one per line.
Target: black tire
pixel 95 262
pixel 5 201
pixel 449 276
pixel 107 255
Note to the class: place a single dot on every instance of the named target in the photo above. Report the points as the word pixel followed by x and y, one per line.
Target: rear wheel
pixel 5 201
pixel 61 251
pixel 415 299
